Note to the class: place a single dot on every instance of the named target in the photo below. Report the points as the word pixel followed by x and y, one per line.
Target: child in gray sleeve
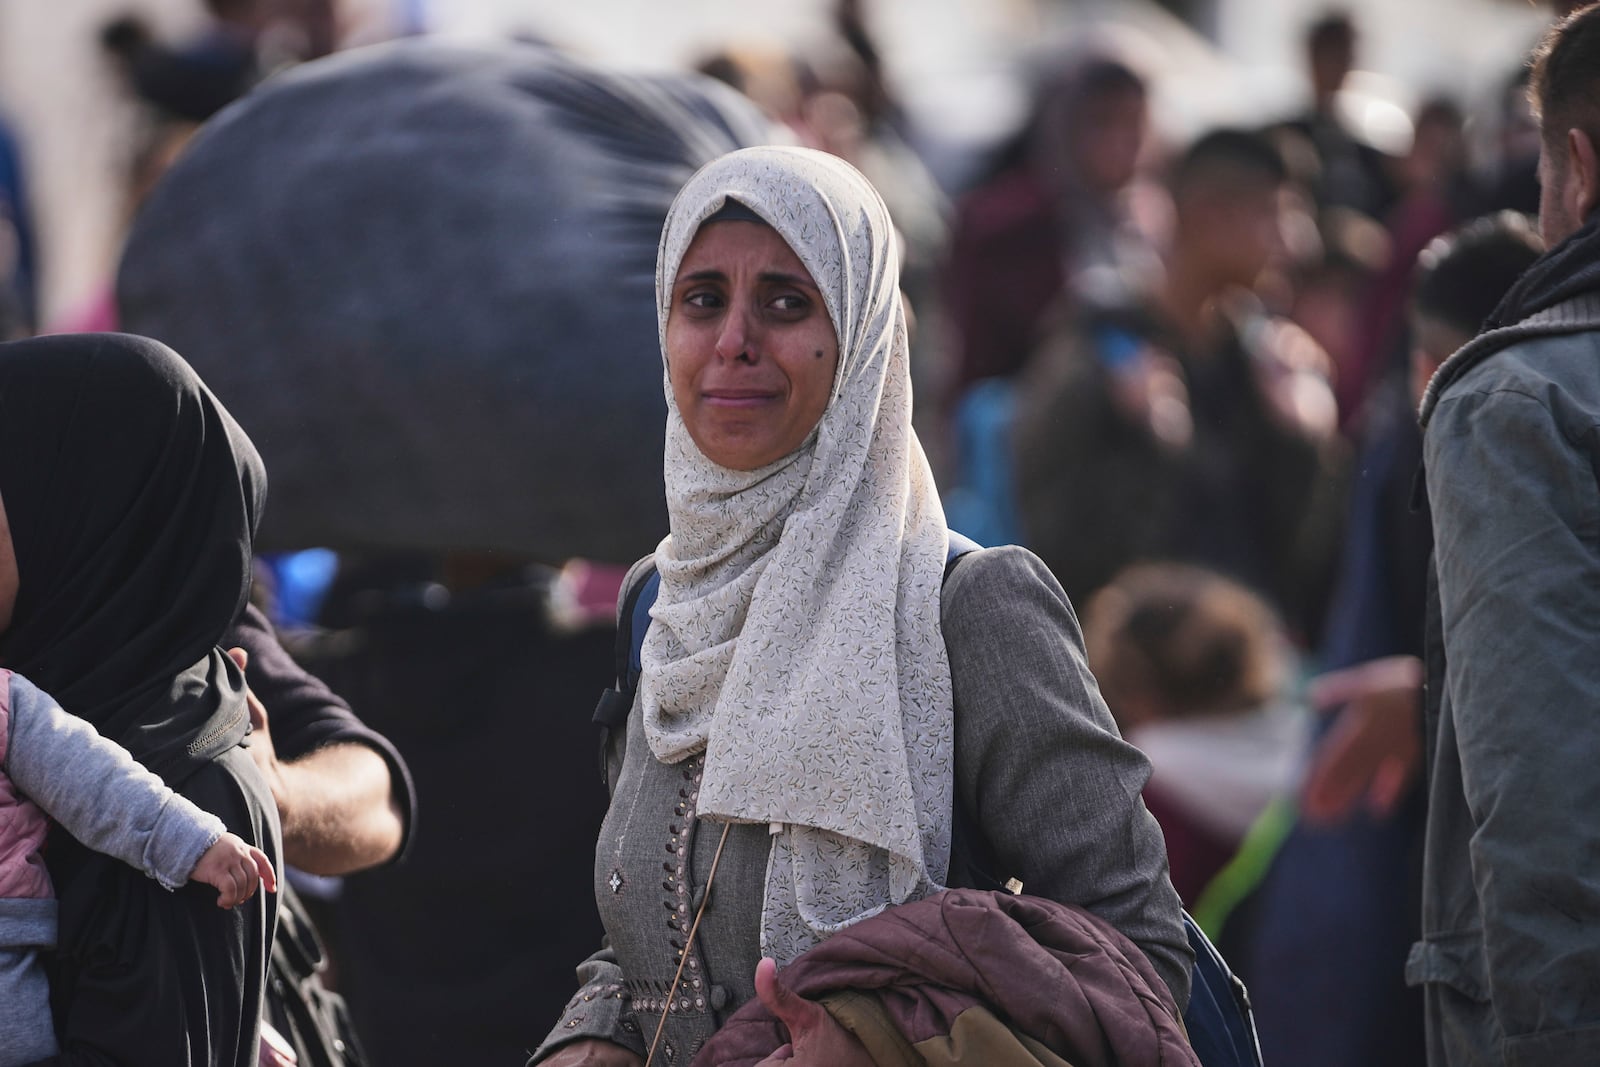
pixel 55 766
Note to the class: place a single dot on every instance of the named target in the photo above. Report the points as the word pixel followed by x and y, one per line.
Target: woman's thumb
pixel 798 1015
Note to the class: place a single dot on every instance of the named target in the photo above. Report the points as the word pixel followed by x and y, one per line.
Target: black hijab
pixel 132 497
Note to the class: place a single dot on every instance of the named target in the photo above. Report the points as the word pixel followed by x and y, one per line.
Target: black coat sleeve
pixel 304 714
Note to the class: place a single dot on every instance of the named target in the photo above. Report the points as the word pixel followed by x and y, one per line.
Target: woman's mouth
pixel 738 398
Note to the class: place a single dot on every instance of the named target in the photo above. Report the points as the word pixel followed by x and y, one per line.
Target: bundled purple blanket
pixel 974 977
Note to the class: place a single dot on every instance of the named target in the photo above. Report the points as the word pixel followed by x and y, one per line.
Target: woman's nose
pixel 735 337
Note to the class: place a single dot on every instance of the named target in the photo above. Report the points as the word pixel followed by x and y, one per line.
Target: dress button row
pixel 656 1005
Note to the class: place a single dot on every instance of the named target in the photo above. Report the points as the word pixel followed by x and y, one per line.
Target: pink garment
pixel 22 825
pixel 98 314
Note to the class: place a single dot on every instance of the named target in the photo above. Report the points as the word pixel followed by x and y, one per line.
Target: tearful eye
pixel 790 302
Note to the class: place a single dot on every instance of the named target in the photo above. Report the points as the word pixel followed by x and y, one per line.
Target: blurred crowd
pixel 1185 374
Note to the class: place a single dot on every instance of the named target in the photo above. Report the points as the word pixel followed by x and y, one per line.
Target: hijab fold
pixel 796 639
pixel 132 498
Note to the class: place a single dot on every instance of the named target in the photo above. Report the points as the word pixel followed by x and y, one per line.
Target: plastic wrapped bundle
pixel 421 277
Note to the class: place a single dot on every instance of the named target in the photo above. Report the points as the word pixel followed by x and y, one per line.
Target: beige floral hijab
pixel 796 638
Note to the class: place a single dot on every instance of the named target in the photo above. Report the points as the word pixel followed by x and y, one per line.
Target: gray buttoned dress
pixel 1039 764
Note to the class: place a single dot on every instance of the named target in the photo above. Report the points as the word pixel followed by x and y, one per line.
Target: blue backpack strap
pixel 633 620
pixel 611 713
pixel 1219 1019
pixel 960 545
pixel 638 623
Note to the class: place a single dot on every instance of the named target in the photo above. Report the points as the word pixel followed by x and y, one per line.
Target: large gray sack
pixel 421 276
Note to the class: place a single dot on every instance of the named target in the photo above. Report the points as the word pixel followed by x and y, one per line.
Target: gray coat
pixel 1510 949
pixel 1039 763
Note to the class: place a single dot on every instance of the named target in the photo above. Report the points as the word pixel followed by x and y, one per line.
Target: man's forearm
pixel 339 810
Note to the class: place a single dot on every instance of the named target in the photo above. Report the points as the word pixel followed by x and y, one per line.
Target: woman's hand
pixel 592 1052
pixel 815 1038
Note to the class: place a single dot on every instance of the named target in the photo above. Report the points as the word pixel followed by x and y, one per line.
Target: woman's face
pixel 751 352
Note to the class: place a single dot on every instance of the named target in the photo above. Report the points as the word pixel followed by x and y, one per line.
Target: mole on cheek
pixel 819 353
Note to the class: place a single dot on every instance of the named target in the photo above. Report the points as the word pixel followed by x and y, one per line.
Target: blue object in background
pixel 303 579
pixel 982 504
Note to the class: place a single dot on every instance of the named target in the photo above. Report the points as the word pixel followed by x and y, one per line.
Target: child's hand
pixel 235 868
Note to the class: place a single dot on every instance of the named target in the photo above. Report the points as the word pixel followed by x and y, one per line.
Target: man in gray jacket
pixel 1510 954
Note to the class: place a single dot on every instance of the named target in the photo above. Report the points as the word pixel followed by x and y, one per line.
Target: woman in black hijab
pixel 132 498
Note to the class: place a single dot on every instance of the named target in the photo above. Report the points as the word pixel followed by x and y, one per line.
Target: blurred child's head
pixel 1169 641
pixel 1460 278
